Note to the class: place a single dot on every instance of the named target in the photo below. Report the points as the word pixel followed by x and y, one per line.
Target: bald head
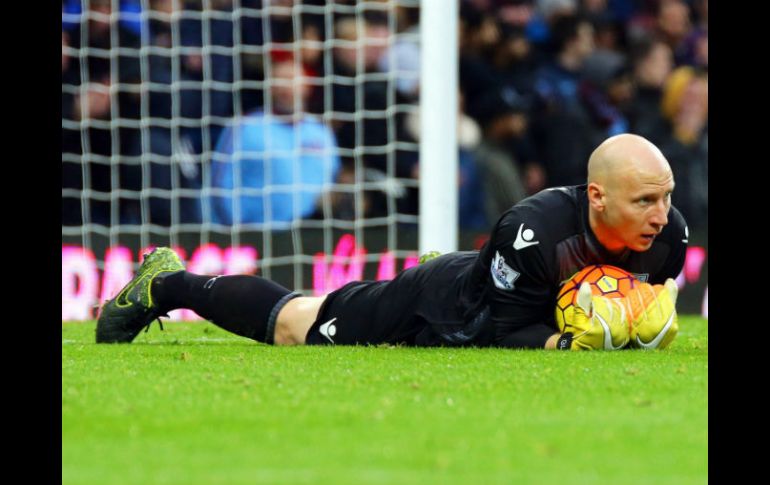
pixel 629 193
pixel 623 155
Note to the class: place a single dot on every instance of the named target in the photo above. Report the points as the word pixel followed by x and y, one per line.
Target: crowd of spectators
pixel 243 112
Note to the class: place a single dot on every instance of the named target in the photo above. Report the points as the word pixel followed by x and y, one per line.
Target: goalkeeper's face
pixel 629 189
pixel 637 207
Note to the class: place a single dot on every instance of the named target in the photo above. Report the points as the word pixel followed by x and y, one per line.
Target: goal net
pixel 263 137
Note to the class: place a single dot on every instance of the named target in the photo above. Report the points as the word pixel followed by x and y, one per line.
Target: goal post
pixel 438 144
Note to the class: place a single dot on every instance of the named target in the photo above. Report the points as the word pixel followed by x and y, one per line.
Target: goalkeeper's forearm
pixel 553 341
pixel 561 341
pixel 532 336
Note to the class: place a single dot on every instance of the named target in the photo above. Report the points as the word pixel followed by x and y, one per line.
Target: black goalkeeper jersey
pixel 539 244
pixel 503 295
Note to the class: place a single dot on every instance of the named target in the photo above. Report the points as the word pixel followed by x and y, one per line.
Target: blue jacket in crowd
pixel 276 170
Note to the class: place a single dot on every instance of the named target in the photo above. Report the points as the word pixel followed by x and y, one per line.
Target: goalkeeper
pixel 503 295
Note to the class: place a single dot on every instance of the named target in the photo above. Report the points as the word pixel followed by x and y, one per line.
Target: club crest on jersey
pixel 503 275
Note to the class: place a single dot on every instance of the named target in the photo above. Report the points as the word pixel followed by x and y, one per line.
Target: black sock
pixel 244 305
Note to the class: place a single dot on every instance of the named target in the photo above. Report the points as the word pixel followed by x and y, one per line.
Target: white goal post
pixel 438 145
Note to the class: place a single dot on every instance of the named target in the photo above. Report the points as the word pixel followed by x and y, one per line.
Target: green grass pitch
pixel 196 405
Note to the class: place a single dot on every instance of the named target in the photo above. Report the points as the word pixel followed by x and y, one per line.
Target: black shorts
pixel 422 306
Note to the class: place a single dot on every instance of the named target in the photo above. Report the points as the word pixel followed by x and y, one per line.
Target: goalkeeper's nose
pixel 659 218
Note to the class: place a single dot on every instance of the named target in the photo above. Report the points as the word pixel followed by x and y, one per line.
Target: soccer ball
pixel 605 280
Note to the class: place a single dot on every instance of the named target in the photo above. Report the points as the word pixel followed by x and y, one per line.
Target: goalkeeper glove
pixel 598 323
pixel 652 315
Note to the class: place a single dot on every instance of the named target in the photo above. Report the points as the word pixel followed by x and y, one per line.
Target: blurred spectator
pixel 405 56
pixel 101 96
pixel 550 9
pixel 609 30
pixel 685 107
pixel 512 89
pixel 539 29
pixel 607 92
pixel 213 101
pixel 476 76
pixel 516 14
pixel 685 103
pixel 72 172
pixel 561 127
pixel 671 110
pixel 360 100
pixel 515 62
pixel 130 14
pixel 353 35
pixel 278 25
pixel 674 26
pixel 652 62
pixel 701 14
pixel 171 147
pixel 504 120
pixel 695 50
pixel 594 8
pixel 472 197
pixel 274 165
pixel 471 208
pixel 481 31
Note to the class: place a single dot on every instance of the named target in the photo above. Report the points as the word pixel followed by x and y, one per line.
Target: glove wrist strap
pixel 564 342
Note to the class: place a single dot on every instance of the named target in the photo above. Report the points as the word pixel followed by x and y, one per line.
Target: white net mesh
pixel 254 136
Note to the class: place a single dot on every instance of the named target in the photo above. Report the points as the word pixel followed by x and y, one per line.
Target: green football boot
pixel 428 256
pixel 123 317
